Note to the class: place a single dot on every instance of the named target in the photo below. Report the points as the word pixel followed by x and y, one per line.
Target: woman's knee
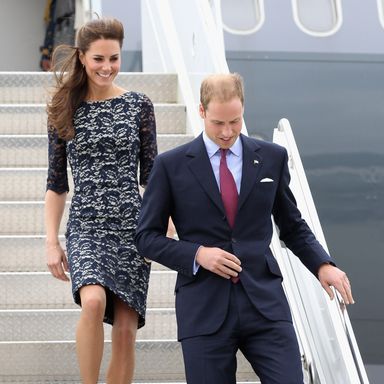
pixel 93 300
pixel 125 334
pixel 125 325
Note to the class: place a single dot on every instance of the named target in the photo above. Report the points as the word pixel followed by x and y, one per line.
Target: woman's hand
pixel 57 261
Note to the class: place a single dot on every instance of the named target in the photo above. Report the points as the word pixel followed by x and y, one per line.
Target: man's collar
pixel 212 147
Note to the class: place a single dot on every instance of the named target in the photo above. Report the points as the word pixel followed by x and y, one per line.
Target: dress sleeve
pixel 148 142
pixel 57 179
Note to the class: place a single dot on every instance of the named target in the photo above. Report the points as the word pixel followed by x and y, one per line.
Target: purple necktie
pixel 228 193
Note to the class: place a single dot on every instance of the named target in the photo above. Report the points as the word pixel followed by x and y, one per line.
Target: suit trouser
pixel 270 346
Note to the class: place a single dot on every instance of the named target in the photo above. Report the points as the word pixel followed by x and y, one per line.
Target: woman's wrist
pixel 52 243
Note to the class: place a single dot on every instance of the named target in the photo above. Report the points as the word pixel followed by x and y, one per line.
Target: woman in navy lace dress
pixel 105 133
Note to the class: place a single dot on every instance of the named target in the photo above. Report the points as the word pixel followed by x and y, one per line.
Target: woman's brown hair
pixel 71 79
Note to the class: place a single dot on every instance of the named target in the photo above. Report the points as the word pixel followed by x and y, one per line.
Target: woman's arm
pixel 56 258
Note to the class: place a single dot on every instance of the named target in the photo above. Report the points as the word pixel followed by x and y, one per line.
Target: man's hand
pixel 330 275
pixel 218 261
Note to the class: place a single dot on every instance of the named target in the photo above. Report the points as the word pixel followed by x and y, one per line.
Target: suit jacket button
pixel 233 240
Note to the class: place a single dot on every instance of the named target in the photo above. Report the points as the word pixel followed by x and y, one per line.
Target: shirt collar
pixel 212 147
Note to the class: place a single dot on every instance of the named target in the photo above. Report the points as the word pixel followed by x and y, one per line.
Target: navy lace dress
pixel 112 137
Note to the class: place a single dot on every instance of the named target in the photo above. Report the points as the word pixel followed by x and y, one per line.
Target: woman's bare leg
pixel 90 332
pixel 122 365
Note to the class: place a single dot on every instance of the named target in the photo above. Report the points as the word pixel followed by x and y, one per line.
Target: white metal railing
pixel 331 342
pixel 184 37
pixel 85 10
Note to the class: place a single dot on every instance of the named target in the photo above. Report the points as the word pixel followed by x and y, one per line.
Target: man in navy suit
pixel 228 291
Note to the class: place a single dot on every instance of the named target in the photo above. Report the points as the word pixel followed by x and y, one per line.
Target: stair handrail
pixel 335 312
pixel 291 290
pixel 185 38
pixel 86 10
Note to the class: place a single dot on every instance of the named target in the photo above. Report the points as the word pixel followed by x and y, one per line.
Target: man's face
pixel 223 121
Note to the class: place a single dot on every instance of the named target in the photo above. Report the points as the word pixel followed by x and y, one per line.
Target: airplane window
pixel 380 8
pixel 242 17
pixel 317 17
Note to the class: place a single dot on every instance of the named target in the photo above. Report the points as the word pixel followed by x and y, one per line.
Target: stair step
pixel 25 218
pixel 25 184
pixel 27 119
pixel 60 324
pixel 32 150
pixel 48 362
pixel 34 87
pixel 27 254
pixel 39 290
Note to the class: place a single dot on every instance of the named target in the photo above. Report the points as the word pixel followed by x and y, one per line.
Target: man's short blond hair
pixel 222 88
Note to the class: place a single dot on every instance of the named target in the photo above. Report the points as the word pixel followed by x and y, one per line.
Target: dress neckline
pixel 107 99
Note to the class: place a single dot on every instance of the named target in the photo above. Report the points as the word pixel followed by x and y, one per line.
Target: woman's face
pixel 102 62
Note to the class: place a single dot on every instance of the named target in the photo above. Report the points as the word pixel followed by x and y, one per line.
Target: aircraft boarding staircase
pixel 37 314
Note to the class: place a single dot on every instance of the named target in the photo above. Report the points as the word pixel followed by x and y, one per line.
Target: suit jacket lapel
pixel 252 163
pixel 200 165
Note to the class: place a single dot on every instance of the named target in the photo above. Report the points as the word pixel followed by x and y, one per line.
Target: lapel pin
pixel 255 162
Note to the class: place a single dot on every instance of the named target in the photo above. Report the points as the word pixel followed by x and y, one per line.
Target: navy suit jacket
pixel 182 185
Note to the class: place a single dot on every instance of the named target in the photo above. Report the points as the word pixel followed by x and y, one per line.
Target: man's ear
pixel 201 111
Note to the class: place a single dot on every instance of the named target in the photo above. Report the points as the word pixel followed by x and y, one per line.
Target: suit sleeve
pixel 294 231
pixel 151 240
